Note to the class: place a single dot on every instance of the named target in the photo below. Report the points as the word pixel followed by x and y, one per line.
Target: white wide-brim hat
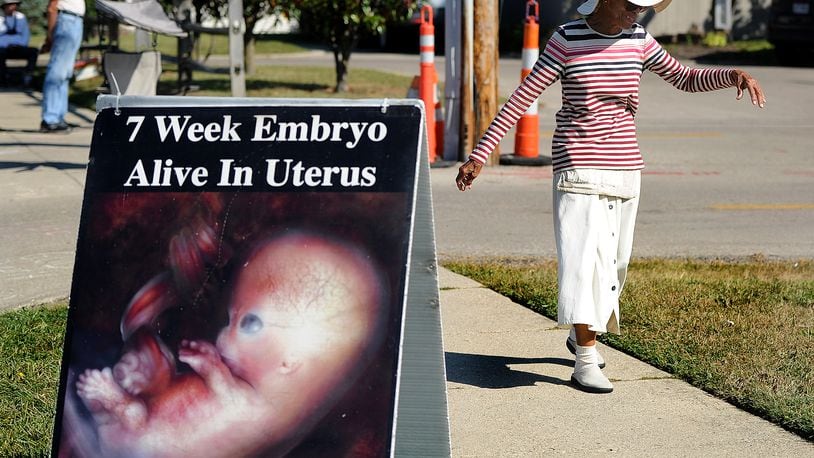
pixel 589 6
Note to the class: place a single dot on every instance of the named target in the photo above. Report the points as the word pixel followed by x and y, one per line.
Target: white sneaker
pixel 589 378
pixel 571 344
pixel 587 375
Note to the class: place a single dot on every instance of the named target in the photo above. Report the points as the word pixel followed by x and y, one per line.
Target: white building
pixel 746 18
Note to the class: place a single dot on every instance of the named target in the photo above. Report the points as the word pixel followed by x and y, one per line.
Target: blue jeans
pixel 67 38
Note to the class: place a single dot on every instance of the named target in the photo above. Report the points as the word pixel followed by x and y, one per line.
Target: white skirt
pixel 594 237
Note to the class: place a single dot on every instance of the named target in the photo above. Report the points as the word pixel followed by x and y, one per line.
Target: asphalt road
pixel 723 179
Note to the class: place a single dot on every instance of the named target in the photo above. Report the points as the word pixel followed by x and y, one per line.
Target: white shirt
pixel 73 6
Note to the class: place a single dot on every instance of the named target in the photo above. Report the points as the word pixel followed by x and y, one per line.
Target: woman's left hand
pixel 742 80
pixel 467 174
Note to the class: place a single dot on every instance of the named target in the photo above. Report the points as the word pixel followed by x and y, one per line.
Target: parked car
pixel 791 30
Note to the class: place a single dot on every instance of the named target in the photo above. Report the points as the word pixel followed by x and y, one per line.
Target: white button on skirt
pixel 594 236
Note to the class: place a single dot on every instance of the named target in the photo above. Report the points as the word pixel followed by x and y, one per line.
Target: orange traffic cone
pixel 527 136
pixel 439 122
pixel 427 76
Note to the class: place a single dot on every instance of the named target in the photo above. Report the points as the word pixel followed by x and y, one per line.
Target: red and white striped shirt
pixel 600 95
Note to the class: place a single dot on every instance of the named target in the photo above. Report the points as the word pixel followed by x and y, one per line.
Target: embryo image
pixel 235 324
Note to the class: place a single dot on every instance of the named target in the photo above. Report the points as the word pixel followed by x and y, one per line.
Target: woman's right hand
pixel 467 174
pixel 742 80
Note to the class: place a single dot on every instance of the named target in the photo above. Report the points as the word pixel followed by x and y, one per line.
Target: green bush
pixel 715 39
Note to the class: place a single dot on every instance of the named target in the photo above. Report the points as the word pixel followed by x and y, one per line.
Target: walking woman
pixel 599 60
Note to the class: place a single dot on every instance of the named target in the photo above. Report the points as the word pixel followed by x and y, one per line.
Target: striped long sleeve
pixel 660 62
pixel 600 77
pixel 545 72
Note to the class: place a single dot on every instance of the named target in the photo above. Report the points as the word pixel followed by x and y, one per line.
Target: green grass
pixel 302 81
pixel 206 44
pixel 307 82
pixel 743 331
pixel 209 44
pixel 752 45
pixel 30 358
pixel 716 50
pixel 282 81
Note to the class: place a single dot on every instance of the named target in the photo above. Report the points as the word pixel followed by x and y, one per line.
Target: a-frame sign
pixel 254 277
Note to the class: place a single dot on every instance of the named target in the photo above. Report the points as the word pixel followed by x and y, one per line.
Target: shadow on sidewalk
pixel 29 166
pixel 488 371
pixel 38 131
pixel 74 110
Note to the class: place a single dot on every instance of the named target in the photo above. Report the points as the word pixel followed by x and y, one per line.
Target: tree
pixel 342 22
pixel 34 11
pixel 339 22
pixel 253 11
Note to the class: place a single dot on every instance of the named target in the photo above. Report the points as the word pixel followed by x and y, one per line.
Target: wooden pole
pixel 452 79
pixel 485 68
pixel 467 128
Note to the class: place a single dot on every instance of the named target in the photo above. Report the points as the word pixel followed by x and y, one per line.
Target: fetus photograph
pixel 234 325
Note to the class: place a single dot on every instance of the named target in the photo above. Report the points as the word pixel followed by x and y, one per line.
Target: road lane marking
pixel 710 134
pixel 645 134
pixel 776 206
pixel 800 173
pixel 681 172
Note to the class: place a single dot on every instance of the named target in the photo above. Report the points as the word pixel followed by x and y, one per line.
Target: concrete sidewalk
pixel 507 367
pixel 508 375
pixel 42 180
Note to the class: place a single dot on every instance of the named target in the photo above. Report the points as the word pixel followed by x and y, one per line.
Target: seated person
pixel 14 36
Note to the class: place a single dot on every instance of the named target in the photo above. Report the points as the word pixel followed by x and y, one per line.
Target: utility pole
pixel 237 27
pixel 467 128
pixel 452 79
pixel 486 62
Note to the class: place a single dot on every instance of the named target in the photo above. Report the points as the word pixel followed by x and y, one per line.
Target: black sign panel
pixel 292 149
pixel 240 282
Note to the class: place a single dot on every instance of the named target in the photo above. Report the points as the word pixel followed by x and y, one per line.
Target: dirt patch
pixel 695 51
pixel 729 54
